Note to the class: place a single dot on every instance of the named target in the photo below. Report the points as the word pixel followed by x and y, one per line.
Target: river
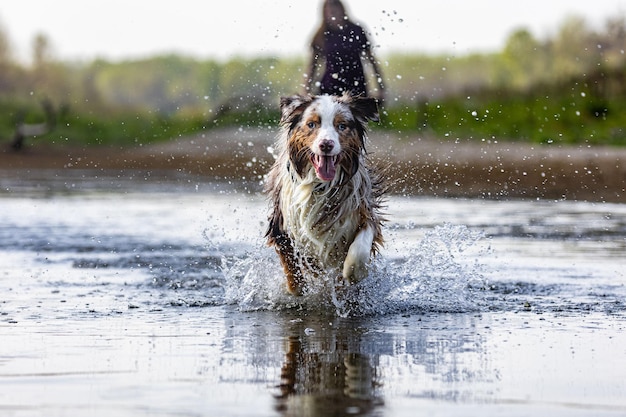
pixel 147 295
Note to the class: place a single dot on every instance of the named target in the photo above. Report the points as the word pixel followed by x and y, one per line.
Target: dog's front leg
pixel 291 264
pixel 358 257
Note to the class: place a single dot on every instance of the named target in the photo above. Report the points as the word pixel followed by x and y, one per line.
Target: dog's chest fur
pixel 321 219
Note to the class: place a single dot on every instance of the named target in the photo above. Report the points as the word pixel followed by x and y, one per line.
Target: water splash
pixel 441 272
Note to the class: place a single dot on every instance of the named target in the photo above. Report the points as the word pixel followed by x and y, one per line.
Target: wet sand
pixel 415 165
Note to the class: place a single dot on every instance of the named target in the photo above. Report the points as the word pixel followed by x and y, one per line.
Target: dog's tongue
pixel 324 167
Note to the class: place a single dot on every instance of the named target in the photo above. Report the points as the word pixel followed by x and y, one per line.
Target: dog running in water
pixel 326 198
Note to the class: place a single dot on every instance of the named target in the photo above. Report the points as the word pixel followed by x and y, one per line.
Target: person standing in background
pixel 342 46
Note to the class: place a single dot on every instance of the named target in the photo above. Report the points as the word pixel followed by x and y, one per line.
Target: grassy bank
pixel 584 111
pixel 589 110
pixel 77 127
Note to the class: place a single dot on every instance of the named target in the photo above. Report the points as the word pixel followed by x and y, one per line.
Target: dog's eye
pixel 311 125
pixel 341 127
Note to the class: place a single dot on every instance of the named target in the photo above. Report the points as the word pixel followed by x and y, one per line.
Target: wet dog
pixel 326 197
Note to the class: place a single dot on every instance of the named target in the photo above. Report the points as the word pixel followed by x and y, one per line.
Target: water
pixel 125 296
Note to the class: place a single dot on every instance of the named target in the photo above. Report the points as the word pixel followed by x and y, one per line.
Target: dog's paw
pixel 295 283
pixel 354 272
pixel 355 266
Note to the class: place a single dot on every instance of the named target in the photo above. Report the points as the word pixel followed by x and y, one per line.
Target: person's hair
pixel 318 39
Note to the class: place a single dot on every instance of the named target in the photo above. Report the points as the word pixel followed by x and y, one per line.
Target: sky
pixel 128 29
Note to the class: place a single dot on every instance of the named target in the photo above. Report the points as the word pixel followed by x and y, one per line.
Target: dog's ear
pixel 365 109
pixel 292 107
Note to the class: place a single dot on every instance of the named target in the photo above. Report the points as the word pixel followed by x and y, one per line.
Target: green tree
pixel 42 51
pixel 575 49
pixel 8 71
pixel 524 60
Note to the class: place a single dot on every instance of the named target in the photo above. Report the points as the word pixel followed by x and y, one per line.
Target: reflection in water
pixel 317 365
pixel 327 374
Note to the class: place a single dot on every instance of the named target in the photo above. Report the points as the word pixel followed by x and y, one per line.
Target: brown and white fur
pixel 326 199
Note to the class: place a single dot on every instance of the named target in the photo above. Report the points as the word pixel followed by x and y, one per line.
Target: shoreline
pixel 417 166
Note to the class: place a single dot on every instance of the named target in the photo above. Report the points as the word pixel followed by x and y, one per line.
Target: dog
pixel 326 197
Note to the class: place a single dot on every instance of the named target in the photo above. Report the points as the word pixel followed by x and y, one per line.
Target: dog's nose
pixel 327 146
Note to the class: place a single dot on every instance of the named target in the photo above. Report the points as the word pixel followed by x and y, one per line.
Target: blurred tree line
pixel 576 51
pixel 441 93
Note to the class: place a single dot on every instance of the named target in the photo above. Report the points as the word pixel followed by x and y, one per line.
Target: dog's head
pixel 326 133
